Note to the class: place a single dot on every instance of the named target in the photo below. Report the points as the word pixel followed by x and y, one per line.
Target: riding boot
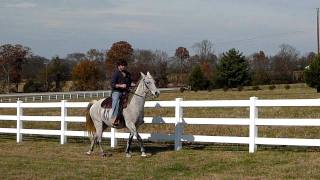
pixel 115 122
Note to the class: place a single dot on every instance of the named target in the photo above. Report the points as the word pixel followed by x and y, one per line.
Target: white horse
pixel 98 118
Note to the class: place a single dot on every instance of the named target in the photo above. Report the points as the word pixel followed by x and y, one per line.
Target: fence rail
pixel 57 96
pixel 178 120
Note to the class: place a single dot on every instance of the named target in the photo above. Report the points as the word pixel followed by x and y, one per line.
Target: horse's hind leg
pixel 93 141
pixel 99 139
pixel 129 145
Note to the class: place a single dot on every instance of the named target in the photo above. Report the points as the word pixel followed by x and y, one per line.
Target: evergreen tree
pixel 312 74
pixel 232 70
pixel 197 80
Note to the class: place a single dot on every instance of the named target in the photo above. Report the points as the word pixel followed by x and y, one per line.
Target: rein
pixel 145 97
pixel 137 94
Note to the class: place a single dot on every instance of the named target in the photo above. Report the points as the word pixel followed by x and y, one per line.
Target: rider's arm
pixel 114 80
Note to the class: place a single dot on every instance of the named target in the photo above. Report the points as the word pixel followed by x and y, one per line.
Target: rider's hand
pixel 123 86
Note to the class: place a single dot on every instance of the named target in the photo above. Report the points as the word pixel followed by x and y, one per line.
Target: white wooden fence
pixel 56 96
pixel 179 121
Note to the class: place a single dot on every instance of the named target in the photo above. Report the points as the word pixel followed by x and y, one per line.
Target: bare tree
pixel 284 63
pixel 205 57
pixel 11 59
pixel 260 66
pixel 161 59
pixel 76 57
pixel 143 62
pixel 182 54
pixel 205 51
pixel 95 55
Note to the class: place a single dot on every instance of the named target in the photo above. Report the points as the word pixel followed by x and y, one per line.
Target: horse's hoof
pixel 88 153
pixel 106 155
pixel 128 155
pixel 103 155
pixel 143 154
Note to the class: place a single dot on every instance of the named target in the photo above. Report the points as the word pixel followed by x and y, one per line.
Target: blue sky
pixel 59 27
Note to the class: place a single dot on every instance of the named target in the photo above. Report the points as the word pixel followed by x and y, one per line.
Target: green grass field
pixel 39 157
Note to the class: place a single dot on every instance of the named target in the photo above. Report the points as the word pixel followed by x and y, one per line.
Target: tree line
pixel 205 70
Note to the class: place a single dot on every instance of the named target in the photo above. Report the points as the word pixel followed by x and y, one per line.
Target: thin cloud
pixel 108 12
pixel 21 5
pixel 133 26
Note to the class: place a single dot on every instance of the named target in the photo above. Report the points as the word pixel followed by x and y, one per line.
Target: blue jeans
pixel 115 103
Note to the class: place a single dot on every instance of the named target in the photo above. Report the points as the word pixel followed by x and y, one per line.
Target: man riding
pixel 120 84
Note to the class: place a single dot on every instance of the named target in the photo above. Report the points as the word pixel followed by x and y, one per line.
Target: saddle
pixel 107 102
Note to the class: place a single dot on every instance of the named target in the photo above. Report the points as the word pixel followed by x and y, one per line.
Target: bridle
pixel 146 91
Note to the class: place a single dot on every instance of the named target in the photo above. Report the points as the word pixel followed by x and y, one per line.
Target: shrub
pixel 240 88
pixel 287 86
pixel 182 89
pixel 272 87
pixel 256 88
pixel 32 86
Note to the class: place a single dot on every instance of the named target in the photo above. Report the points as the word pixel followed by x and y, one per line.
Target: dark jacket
pixel 118 78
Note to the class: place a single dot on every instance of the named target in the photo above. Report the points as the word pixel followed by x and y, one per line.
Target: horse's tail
pixel 89 123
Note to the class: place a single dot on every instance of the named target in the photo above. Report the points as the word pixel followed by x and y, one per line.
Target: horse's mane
pixel 131 93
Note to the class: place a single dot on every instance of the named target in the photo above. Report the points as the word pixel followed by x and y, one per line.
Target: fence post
pixel 113 138
pixel 178 125
pixel 63 137
pixel 19 122
pixel 253 129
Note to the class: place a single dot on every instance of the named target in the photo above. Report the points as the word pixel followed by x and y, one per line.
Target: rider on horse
pixel 120 84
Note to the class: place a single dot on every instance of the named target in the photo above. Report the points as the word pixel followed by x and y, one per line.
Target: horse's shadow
pixel 155 149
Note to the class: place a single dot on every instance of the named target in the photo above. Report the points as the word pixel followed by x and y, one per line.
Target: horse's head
pixel 150 85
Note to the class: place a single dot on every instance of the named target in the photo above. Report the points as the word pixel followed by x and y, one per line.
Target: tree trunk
pixel 318 89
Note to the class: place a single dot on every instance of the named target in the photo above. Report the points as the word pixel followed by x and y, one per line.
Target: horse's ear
pixel 142 75
pixel 148 74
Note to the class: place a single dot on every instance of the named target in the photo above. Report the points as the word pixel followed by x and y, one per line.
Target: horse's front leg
pixel 128 149
pixel 143 151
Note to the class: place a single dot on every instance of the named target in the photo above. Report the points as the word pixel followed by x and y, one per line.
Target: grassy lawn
pixel 44 158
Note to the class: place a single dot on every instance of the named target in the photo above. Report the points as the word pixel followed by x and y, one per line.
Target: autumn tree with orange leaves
pixel 86 76
pixel 121 50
